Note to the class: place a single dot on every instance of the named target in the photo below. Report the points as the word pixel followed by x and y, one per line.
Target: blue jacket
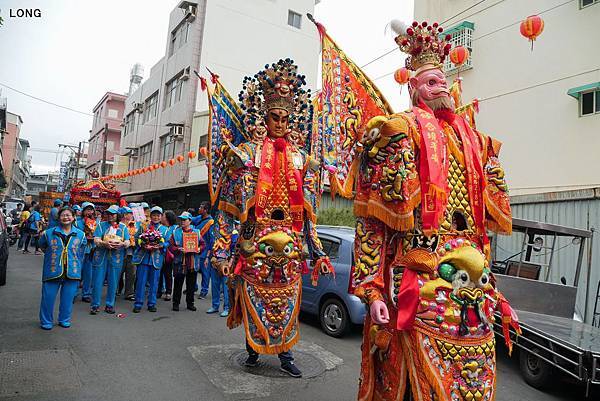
pixel 206 227
pixel 155 257
pixel 57 256
pixel 53 218
pixel 115 256
pixel 177 239
pixel 33 218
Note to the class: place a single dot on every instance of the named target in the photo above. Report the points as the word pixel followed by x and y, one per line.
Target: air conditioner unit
pixel 177 132
pixel 139 107
pixel 184 77
pixel 190 14
pixel 133 153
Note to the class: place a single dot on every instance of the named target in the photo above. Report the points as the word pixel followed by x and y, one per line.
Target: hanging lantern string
pixel 153 167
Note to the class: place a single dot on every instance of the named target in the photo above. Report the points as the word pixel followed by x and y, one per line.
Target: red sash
pixel 433 170
pixel 274 156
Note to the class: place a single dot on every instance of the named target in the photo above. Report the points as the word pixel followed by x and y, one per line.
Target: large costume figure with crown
pixel 262 173
pixel 426 186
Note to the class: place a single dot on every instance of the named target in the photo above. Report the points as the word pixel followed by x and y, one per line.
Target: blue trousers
pixel 112 272
pixel 218 284
pixel 146 274
pixel 205 273
pixel 86 275
pixel 68 289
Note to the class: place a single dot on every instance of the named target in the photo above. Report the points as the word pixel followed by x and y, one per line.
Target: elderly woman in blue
pixel 63 247
pixel 111 238
pixel 149 257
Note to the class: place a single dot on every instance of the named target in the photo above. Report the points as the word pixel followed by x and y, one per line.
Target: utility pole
pixel 77 165
pixel 103 168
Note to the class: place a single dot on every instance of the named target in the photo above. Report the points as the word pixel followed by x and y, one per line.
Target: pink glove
pixel 379 312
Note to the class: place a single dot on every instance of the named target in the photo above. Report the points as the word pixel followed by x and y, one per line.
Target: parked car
pixel 3 248
pixel 331 300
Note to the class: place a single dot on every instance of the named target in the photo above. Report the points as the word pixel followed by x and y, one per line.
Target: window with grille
pixel 589 103
pixel 179 37
pixel 585 3
pixel 203 143
pixel 462 35
pixel 294 19
pixel 167 147
pixel 174 89
pixel 151 107
pixel 145 155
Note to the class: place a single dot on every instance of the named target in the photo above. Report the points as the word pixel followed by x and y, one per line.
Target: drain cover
pixel 268 365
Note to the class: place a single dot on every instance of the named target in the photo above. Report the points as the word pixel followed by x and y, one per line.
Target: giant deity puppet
pixel 262 174
pixel 426 187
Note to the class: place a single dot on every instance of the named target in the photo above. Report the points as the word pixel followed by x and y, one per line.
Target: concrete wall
pixel 110 110
pixel 10 147
pixel 524 101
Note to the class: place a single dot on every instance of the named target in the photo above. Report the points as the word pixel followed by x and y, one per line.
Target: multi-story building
pixel 105 136
pixel 46 182
pixel 167 114
pixel 14 157
pixel 543 104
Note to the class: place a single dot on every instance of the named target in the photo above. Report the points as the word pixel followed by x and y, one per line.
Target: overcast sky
pixel 78 50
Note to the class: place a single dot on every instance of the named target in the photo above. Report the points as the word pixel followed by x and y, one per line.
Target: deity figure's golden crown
pixel 425 44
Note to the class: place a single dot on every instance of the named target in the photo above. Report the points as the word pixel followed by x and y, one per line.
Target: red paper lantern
pixel 163 164
pixel 191 154
pixel 180 158
pixel 171 162
pixel 203 151
pixel 402 75
pixel 156 166
pixel 459 55
pixel 532 27
pixel 151 167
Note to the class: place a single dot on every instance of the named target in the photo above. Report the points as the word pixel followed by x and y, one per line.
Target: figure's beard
pixel 440 103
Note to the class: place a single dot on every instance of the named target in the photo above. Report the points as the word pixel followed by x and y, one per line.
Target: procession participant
pixel 146 208
pixel 23 227
pixel 218 281
pixel 111 239
pixel 53 217
pixel 269 184
pixel 63 247
pixel 204 222
pixel 87 223
pixel 127 280
pixel 428 187
pixel 186 244
pixel 165 281
pixel 77 209
pixel 34 227
pixel 149 258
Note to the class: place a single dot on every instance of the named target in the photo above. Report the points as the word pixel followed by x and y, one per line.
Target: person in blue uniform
pixel 127 280
pixel 63 247
pixel 111 239
pixel 87 223
pixel 53 218
pixel 204 223
pixel 149 261
pixel 185 264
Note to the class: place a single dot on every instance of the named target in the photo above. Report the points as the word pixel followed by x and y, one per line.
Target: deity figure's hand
pixel 379 312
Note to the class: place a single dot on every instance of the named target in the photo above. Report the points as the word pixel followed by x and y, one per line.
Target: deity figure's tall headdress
pixel 426 45
pixel 278 86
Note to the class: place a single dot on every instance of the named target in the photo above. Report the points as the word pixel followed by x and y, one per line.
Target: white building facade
pixel 167 115
pixel 544 105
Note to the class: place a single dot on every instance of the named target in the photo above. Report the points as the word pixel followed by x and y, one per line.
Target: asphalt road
pixel 175 355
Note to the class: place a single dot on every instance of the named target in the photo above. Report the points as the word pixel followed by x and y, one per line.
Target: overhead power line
pixel 46 101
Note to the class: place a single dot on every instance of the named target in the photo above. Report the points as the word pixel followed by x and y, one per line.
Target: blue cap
pixel 77 208
pixel 146 206
pixel 58 202
pixel 113 209
pixel 132 204
pixel 88 204
pixel 185 216
pixel 156 209
pixel 126 209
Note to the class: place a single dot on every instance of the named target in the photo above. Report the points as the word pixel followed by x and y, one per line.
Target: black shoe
pixel 130 298
pixel 136 310
pixel 192 308
pixel 176 308
pixel 94 311
pixel 152 309
pixel 86 299
pixel 290 369
pixel 251 361
pixel 109 309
